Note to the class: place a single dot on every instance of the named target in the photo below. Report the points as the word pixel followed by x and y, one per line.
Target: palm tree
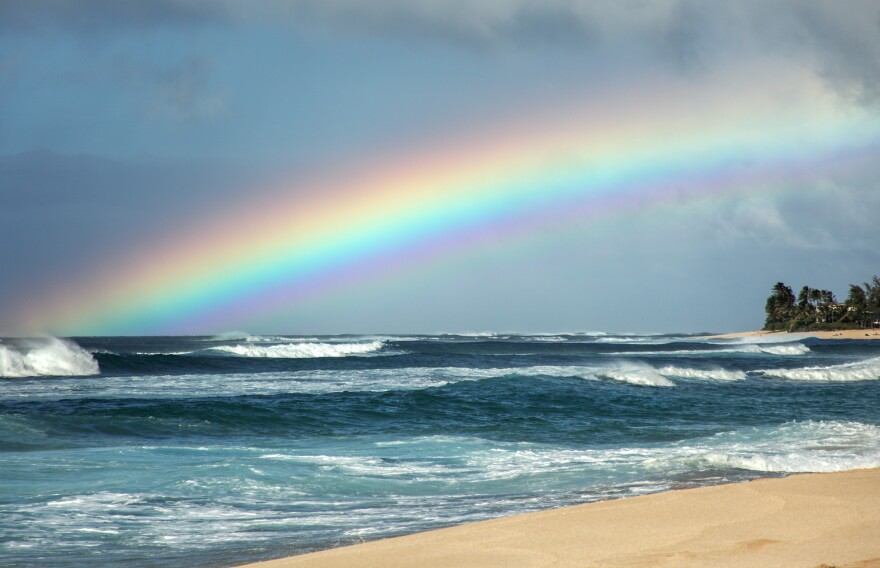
pixel 780 307
pixel 828 301
pixel 804 299
pixel 856 304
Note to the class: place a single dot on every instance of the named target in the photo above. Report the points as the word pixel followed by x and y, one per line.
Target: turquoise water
pixel 219 451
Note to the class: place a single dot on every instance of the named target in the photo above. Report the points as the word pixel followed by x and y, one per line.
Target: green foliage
pixel 818 310
pixel 780 307
pixel 872 294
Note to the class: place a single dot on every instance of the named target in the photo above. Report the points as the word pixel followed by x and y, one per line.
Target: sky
pixel 427 166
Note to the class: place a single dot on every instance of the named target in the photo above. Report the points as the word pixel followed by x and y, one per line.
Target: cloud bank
pixel 839 40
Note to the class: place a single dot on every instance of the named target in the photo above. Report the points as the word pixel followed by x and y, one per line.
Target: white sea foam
pixel 639 339
pixel 714 374
pixel 232 336
pixel 359 380
pixel 250 338
pixel 408 483
pixel 776 349
pixel 47 356
pixel 867 370
pixel 302 350
pixel 158 353
pixel 765 339
pixel 800 447
pixel 636 374
pixel 763 349
pixel 625 371
pixel 808 446
pixel 791 447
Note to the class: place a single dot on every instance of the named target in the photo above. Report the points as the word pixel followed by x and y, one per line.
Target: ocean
pixel 217 451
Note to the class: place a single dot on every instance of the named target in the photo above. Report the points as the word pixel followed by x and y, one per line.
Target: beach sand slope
pixel 803 521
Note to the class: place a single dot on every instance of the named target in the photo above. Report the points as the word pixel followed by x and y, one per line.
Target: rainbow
pixel 583 162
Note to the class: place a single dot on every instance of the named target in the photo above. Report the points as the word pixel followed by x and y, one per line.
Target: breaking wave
pixel 716 374
pixel 749 348
pixel 46 357
pixel 788 448
pixel 624 371
pixel 636 339
pixel 302 350
pixel 635 374
pixel 800 447
pixel 775 349
pixel 867 370
pixel 244 336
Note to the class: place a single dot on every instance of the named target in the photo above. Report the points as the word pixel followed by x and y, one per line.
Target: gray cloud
pixel 177 89
pixel 839 40
pixel 845 44
pixel 100 16
pixel 182 91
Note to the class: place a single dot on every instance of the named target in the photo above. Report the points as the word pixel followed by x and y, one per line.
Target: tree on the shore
pixel 804 299
pixel 814 308
pixel 872 293
pixel 780 306
pixel 856 304
pixel 872 299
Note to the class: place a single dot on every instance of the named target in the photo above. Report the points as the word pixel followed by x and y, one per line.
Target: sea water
pixel 215 451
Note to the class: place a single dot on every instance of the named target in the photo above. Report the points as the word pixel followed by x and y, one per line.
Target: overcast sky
pixel 124 122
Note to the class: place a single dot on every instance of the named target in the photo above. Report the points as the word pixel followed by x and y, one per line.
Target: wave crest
pixel 785 349
pixel 749 349
pixel 636 374
pixel 46 357
pixel 715 374
pixel 867 370
pixel 802 447
pixel 301 350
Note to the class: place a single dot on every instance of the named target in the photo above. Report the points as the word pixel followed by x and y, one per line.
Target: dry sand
pixel 842 334
pixel 803 521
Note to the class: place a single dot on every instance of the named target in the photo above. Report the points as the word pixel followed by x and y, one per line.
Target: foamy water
pixel 228 449
pixel 866 370
pixel 302 350
pixel 46 356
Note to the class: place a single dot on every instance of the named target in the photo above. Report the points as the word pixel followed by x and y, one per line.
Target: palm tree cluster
pixel 813 309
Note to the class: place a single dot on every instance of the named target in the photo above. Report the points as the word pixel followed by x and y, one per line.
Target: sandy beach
pixel 805 521
pixel 841 334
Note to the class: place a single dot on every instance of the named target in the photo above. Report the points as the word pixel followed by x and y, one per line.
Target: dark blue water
pixel 218 451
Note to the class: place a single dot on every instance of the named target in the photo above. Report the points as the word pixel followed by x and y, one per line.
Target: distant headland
pixel 818 310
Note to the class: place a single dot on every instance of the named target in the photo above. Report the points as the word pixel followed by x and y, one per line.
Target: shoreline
pixel 839 334
pixel 816 520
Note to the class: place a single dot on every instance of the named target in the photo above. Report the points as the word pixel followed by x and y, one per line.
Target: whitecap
pixel 301 350
pixel 765 339
pixel 866 370
pixel 715 374
pixel 637 339
pixel 753 349
pixel 810 446
pixel 48 356
pixel 623 371
pixel 776 349
pixel 644 375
